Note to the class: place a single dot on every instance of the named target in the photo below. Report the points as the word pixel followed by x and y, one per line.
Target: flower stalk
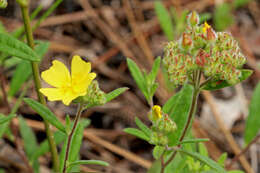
pixel 196 91
pixel 36 77
pixel 79 111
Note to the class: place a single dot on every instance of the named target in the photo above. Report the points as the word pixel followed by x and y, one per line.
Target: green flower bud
pixel 166 125
pixel 193 19
pixel 3 3
pixel 94 96
pixel 158 138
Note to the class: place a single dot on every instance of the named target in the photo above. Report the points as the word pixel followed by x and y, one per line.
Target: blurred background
pixel 105 32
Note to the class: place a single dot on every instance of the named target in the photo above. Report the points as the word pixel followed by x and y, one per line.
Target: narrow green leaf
pixel 240 3
pixel 222 159
pixel 164 20
pixel 136 132
pixel 180 112
pixel 138 76
pixel 14 47
pixel 75 144
pixel 157 152
pixel 59 137
pixel 4 119
pixel 45 113
pixel 23 70
pixel 4 126
pixel 223 17
pixel 252 121
pixel 30 142
pixel 235 171
pixel 156 66
pixel 203 150
pixel 87 162
pixel 215 85
pixel 21 74
pixel 29 139
pixel 197 140
pixel 143 127
pixel 212 164
pixel 113 94
pixel 170 104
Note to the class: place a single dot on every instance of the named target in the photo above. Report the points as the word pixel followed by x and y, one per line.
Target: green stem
pixel 195 94
pixel 80 109
pixel 37 82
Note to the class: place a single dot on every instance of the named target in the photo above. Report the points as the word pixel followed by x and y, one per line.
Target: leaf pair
pixel 145 82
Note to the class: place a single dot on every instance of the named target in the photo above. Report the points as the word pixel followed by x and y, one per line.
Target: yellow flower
pixel 206 27
pixel 157 113
pixel 68 86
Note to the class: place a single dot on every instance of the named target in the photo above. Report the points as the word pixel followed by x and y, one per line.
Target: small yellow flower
pixel 206 27
pixel 157 113
pixel 68 86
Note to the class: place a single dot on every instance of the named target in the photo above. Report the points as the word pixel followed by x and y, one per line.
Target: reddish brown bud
pixel 186 40
pixel 211 35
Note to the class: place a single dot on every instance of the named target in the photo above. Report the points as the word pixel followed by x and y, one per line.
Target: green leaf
pixel 21 74
pixel 113 94
pixel 235 171
pixel 4 126
pixel 138 77
pixel 197 140
pixel 222 159
pixel 164 20
pixel 44 147
pixel 14 47
pixel 212 164
pixel 223 17
pixel 252 121
pixel 30 142
pixel 203 150
pixel 75 144
pixel 45 113
pixel 24 70
pixel 29 139
pixel 205 17
pixel 87 162
pixel 157 152
pixel 4 119
pixel 156 66
pixel 215 85
pixel 143 127
pixel 136 132
pixel 180 111
pixel 170 104
pixel 240 3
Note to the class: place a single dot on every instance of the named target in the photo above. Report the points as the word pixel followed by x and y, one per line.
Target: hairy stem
pixel 80 109
pixel 195 94
pixel 37 82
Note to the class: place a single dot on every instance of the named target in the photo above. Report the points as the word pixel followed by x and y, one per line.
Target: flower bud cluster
pixel 162 126
pixel 217 55
pixel 94 97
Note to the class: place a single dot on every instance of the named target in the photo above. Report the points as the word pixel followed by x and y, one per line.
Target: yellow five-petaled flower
pixel 68 86
pixel 206 27
pixel 157 111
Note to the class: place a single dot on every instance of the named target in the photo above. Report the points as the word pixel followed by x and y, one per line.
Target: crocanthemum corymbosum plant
pixel 201 59
pixel 76 86
pixel 71 87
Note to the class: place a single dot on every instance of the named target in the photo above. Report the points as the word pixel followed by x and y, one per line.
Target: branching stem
pixel 79 111
pixel 37 82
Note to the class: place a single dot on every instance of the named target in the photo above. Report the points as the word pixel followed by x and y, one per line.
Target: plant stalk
pixel 195 94
pixel 37 82
pixel 79 111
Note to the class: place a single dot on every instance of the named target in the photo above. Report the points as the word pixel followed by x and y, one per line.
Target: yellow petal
pixel 79 66
pixel 57 75
pixel 69 96
pixel 53 94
